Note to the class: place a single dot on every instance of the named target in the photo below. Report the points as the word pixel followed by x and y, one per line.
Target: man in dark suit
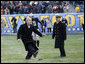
pixel 25 33
pixel 59 32
pixel 35 24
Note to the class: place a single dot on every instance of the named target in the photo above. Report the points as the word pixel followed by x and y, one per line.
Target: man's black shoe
pixel 35 54
pixel 27 58
pixel 62 56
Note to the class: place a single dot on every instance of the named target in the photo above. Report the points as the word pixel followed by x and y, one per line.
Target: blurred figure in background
pixel 77 9
pixel 66 8
pixel 55 9
pixel 2 10
pixel 82 22
pixel 43 23
pixel 48 21
pixel 14 24
pixel 3 24
pixel 7 11
pixel 11 10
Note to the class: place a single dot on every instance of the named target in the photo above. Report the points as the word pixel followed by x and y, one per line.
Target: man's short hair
pixel 58 16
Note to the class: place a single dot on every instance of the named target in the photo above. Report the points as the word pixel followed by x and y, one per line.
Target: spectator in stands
pixel 2 10
pixel 49 9
pixel 7 11
pixel 21 9
pixel 45 3
pixel 43 9
pixel 66 8
pixel 40 6
pixel 16 9
pixel 11 10
pixel 55 9
pixel 20 3
pixel 32 7
pixel 26 9
pixel 77 9
pixel 61 9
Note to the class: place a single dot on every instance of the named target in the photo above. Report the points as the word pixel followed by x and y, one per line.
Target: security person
pixel 25 33
pixel 59 32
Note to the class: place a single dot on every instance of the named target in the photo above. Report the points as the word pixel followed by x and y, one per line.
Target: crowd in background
pixel 36 7
pixel 27 7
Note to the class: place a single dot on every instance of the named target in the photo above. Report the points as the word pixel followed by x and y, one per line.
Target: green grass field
pixel 14 52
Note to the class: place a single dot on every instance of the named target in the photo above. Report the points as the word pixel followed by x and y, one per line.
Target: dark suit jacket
pixel 59 31
pixel 25 34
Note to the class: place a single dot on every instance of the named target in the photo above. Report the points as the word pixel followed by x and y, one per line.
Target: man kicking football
pixel 25 33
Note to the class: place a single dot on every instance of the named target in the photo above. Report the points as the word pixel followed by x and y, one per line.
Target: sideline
pixel 14 34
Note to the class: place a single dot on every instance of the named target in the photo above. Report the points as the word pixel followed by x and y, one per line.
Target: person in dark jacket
pixel 35 24
pixel 59 32
pixel 43 23
pixel 25 33
pixel 14 24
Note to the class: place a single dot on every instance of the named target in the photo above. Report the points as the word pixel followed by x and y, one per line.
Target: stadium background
pixel 74 20
pixel 74 45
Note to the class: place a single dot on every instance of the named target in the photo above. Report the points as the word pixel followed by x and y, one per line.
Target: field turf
pixel 14 52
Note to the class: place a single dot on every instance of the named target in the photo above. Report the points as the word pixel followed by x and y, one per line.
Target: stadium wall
pixel 73 21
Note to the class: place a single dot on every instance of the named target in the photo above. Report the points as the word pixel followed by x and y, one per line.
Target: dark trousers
pixel 62 50
pixel 14 29
pixel 43 30
pixel 31 50
pixel 49 30
pixel 29 55
pixel 37 43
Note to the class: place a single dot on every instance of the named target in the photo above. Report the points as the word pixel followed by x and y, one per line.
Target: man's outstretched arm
pixel 37 32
